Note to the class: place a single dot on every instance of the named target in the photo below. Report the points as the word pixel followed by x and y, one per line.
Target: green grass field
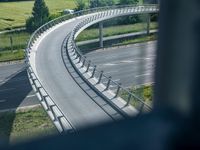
pixel 141 39
pixel 144 92
pixel 11 55
pixel 14 14
pixel 19 40
pixel 89 34
pixel 25 125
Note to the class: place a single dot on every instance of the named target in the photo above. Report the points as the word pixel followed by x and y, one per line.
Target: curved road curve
pixel 72 100
pixel 76 105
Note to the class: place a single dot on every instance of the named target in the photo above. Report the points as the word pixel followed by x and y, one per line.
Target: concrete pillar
pixel 101 34
pixel 148 23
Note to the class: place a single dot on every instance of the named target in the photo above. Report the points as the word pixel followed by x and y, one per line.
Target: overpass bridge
pixel 68 85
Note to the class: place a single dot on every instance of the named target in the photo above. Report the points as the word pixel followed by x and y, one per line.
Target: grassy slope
pixel 14 14
pixel 19 40
pixel 10 56
pixel 114 30
pixel 144 92
pixel 141 39
pixel 25 125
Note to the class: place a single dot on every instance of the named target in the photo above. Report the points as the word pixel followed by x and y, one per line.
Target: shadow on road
pixel 12 92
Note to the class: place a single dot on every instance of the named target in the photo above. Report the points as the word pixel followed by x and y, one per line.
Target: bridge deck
pixel 75 104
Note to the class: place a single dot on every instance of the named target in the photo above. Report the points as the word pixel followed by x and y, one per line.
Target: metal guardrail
pixel 58 20
pixel 61 122
pixel 137 102
pixel 56 115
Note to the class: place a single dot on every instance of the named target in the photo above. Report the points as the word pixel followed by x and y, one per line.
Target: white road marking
pixel 7 89
pixel 2 101
pixel 127 61
pixel 147 74
pixel 135 60
pixel 30 96
pixel 112 86
pixel 116 80
pixel 109 64
pixel 114 71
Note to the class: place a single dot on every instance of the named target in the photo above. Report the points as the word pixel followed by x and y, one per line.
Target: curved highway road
pixel 76 100
pixel 81 110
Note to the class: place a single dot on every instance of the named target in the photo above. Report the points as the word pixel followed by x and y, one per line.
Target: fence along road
pixel 67 103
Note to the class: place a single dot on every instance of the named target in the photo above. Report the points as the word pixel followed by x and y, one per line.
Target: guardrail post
pixel 141 108
pixel 118 88
pixel 79 59
pixel 61 125
pixel 88 66
pixel 129 99
pixel 100 77
pixel 84 59
pixel 93 71
pixel 101 34
pixel 108 84
pixel 77 55
pixel 54 115
pixel 45 101
pixel 74 53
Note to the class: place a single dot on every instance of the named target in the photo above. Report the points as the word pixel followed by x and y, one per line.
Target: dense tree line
pixel 80 4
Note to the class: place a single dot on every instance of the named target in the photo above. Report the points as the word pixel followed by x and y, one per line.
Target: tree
pixel 101 3
pixel 128 2
pixel 40 15
pixel 80 5
pixel 129 19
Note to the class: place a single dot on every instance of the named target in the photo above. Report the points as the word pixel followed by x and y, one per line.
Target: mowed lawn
pixel 89 34
pixel 14 14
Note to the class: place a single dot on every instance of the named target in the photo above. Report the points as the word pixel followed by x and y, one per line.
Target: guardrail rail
pixel 101 13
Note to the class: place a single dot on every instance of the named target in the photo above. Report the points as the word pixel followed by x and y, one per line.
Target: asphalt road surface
pixel 130 65
pixel 15 89
pixel 72 100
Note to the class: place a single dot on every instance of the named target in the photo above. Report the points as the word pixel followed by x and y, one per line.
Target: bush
pixel 101 3
pixel 80 5
pixel 54 16
pixel 30 24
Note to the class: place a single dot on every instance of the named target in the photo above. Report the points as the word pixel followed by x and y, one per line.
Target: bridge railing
pixel 138 103
pixel 63 18
pixel 56 115
pixel 59 119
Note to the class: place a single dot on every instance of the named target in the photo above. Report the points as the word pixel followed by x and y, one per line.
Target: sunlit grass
pixel 19 40
pixel 25 124
pixel 14 14
pixel 11 55
pixel 89 34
